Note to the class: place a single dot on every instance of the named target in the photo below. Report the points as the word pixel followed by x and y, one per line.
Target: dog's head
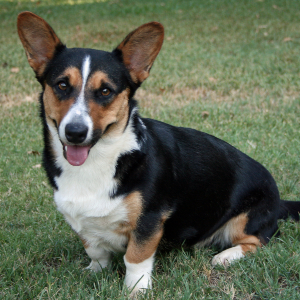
pixel 86 92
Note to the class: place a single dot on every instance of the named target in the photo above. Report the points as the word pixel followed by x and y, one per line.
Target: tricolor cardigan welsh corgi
pixel 130 184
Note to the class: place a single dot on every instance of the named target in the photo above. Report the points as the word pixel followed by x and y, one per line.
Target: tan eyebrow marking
pixel 97 79
pixel 73 75
pixel 138 252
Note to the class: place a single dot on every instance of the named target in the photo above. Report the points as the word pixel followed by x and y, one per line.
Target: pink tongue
pixel 76 155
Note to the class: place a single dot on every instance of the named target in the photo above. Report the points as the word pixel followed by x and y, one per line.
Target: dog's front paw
pixel 100 258
pixel 138 276
pixel 137 283
pixel 96 266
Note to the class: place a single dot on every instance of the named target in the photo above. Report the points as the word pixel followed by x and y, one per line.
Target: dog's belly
pixel 95 220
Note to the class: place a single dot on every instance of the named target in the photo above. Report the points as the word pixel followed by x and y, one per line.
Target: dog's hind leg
pixel 248 244
pixel 233 232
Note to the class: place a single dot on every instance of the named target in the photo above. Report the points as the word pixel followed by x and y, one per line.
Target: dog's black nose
pixel 76 132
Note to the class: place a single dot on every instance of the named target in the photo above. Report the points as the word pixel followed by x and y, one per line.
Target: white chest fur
pixel 83 194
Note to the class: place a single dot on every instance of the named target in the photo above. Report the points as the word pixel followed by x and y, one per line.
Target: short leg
pixel 138 275
pixel 247 244
pixel 100 258
pixel 139 260
pixel 234 232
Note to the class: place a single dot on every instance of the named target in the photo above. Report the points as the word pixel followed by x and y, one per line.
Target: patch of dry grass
pixel 180 97
pixel 9 101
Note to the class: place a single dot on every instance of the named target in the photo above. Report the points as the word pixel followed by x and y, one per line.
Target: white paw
pixel 138 284
pixel 227 256
pixel 138 276
pixel 96 266
pixel 100 258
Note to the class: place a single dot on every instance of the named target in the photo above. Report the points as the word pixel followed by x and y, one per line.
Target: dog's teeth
pixel 66 147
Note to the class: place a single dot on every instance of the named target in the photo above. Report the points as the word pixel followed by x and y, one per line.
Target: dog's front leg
pixel 138 275
pixel 99 256
pixel 139 260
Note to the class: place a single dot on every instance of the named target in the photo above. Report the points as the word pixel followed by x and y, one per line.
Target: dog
pixel 130 184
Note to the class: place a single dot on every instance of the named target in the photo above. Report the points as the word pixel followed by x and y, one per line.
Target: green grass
pixel 238 61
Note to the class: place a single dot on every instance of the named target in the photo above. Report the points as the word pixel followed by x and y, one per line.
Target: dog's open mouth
pixel 76 155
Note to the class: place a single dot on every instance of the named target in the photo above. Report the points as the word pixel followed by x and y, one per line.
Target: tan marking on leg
pixel 249 248
pixel 249 243
pixel 232 233
pixel 239 237
pixel 137 253
pixel 225 234
pixel 133 203
pixel 115 113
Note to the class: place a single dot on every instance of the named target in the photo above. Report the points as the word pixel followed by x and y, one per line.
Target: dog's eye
pixel 105 91
pixel 62 86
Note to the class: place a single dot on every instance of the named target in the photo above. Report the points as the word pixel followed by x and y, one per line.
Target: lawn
pixel 230 68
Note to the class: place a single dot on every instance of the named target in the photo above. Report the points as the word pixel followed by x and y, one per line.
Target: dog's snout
pixel 76 132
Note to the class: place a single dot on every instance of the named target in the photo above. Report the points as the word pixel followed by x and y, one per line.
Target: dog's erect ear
pixel 39 40
pixel 140 48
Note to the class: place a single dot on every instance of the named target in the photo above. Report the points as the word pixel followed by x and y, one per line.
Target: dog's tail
pixel 289 209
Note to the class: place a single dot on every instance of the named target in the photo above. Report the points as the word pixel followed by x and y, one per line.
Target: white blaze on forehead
pixel 85 70
pixel 79 111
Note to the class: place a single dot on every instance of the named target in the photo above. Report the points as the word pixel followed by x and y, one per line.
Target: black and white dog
pixel 125 183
